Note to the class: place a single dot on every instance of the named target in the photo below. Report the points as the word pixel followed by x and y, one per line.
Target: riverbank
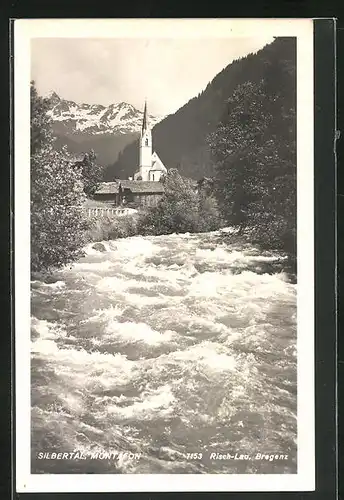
pixel 286 262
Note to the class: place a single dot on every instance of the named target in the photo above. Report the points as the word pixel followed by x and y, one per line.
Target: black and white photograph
pixel 163 172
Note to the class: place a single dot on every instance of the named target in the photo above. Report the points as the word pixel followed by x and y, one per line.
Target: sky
pixel 166 72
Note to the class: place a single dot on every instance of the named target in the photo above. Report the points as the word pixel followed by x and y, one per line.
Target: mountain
pixel 106 129
pixel 181 139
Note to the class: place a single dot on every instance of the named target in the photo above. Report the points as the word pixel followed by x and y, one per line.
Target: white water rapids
pixel 164 346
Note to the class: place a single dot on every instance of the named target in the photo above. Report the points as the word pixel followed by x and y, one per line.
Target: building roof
pixel 108 188
pixel 77 157
pixel 143 186
pixel 133 186
pixel 157 164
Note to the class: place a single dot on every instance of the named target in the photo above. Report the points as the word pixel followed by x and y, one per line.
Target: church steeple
pixel 150 166
pixel 145 118
pixel 145 147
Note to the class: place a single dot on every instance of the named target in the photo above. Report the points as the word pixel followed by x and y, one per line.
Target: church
pixel 151 168
pixel 145 189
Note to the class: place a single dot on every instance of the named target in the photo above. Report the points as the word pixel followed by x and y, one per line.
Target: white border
pixel 24 30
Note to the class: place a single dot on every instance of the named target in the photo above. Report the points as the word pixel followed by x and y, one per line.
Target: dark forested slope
pixel 180 139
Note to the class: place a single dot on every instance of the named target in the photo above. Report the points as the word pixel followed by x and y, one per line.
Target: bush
pixel 57 221
pixel 111 228
pixel 181 209
pixel 209 218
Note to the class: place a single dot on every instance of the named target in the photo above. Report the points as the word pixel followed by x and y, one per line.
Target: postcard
pixel 164 241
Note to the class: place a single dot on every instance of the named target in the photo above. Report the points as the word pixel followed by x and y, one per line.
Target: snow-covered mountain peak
pixel 96 119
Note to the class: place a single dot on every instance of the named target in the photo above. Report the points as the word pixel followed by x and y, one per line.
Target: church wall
pixel 144 173
pixel 146 150
pixel 154 175
pixel 145 158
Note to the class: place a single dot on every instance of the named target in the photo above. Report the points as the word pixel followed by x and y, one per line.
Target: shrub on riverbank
pixel 111 228
pixel 181 209
pixel 57 220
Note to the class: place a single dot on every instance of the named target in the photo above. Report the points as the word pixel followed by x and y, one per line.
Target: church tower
pixel 151 168
pixel 145 148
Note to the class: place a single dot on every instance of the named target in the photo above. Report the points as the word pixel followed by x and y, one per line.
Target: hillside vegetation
pixel 181 139
pixel 254 153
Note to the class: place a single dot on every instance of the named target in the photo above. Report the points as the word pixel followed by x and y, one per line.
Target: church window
pixel 153 177
pixel 146 141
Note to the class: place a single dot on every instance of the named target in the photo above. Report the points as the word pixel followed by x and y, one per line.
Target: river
pixel 165 346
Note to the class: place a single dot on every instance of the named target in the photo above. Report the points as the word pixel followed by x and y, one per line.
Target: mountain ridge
pixel 106 129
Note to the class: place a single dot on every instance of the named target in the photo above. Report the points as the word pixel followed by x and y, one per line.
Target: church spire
pixel 145 118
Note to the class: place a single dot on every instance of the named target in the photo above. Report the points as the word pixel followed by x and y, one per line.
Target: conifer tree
pixel 254 154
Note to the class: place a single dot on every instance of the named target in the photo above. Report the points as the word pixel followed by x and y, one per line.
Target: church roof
pixel 157 164
pixel 145 118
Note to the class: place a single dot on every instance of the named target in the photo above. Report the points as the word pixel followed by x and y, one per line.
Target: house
pixel 105 208
pixel 140 193
pixel 108 192
pixel 129 193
